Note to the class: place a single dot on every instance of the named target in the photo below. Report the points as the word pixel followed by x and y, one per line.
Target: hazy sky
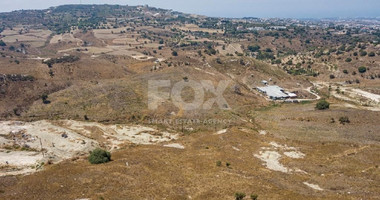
pixel 231 8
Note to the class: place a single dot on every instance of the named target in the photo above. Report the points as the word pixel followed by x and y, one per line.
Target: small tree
pixel 239 195
pixel 174 53
pixel 322 105
pixel 253 48
pixel 44 98
pixel 362 69
pixel 99 156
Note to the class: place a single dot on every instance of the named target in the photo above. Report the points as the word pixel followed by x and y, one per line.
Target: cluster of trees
pixel 265 55
pixel 261 55
pixel 254 48
pixel 64 59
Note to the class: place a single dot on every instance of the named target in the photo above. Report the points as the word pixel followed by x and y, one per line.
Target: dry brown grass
pixel 159 172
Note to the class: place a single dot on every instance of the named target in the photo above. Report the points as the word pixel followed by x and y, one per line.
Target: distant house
pixel 278 27
pixel 275 92
pixel 255 29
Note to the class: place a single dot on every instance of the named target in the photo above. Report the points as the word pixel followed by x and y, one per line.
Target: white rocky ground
pixel 272 155
pixel 313 186
pixel 25 145
pixel 221 131
pixel 175 145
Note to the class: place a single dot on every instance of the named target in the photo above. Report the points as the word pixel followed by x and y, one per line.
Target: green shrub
pixel 344 120
pixel 174 53
pixel 44 98
pixel 218 163
pixel 322 105
pixel 239 195
pixel 254 196
pixel 2 43
pixel 99 156
pixel 362 69
pixel 348 59
pixel 371 54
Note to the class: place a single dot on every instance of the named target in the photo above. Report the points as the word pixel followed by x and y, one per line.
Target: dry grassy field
pixel 36 38
pixel 310 155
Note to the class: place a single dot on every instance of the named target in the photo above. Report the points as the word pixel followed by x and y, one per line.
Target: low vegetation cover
pixel 64 59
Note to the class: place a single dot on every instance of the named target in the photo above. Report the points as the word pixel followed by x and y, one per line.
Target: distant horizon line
pixel 299 18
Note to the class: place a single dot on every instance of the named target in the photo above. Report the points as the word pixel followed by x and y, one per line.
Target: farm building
pixel 275 92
